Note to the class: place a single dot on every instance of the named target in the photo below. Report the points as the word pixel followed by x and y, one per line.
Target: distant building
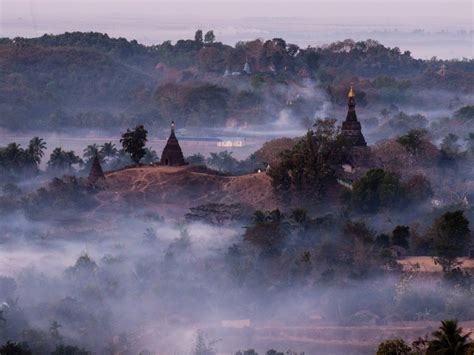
pixel 172 154
pixel 357 161
pixel 351 128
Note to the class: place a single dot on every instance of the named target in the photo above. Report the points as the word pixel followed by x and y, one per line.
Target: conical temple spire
pixel 351 93
pixel 172 154
pixel 96 173
pixel 351 128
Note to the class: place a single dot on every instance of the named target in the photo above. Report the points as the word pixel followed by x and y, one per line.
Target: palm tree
pixel 90 151
pixel 449 340
pixel 108 150
pixel 36 149
pixel 61 159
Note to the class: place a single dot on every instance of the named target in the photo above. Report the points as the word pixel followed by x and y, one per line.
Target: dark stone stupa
pixel 351 128
pixel 172 154
pixel 96 174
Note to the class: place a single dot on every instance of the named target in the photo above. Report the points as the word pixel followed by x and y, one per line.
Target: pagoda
pixel 96 174
pixel 172 154
pixel 351 128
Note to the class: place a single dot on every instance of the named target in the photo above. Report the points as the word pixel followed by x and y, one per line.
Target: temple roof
pixel 351 92
pixel 172 154
pixel 351 128
pixel 96 173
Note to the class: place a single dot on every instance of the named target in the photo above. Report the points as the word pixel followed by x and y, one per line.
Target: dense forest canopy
pixel 89 80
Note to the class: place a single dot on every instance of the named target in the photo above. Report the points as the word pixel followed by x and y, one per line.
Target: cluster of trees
pixel 54 77
pixel 379 189
pixel 448 339
pixel 226 163
pixel 12 348
pixel 309 166
pixel 16 162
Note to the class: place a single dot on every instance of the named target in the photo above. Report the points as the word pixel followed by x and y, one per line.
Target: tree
pixel 209 37
pixel 393 347
pixel 470 143
pixel 377 189
pixel 413 141
pixel 450 233
pixel 223 161
pixel 418 188
pixel 203 346
pixel 90 152
pixel 449 340
pixel 151 156
pixel 63 160
pixel 197 158
pixel 15 349
pixel 450 145
pixel 401 236
pixel 108 150
pixel 36 149
pixel 69 350
pixel 133 142
pixel 308 165
pixel 198 36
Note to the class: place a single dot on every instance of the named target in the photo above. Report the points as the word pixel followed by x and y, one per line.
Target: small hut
pixel 172 154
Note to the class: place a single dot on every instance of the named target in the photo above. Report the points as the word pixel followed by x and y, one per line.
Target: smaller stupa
pixel 96 174
pixel 172 154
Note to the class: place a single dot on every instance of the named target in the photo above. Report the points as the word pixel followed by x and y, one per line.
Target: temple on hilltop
pixel 96 174
pixel 351 128
pixel 172 154
pixel 358 159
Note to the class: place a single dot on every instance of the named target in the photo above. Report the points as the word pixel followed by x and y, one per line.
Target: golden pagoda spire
pixel 351 92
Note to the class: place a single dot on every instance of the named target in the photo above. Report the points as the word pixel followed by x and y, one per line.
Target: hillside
pixel 173 190
pixel 89 80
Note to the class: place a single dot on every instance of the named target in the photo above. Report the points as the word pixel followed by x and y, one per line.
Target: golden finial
pixel 351 92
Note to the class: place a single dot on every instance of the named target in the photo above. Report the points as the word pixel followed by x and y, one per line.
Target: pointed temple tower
pixel 96 174
pixel 172 154
pixel 351 128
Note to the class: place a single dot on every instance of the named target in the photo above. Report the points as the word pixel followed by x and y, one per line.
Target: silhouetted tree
pixel 36 149
pixel 413 141
pixel 133 142
pixel 450 340
pixel 450 233
pixel 394 347
pixel 198 36
pixel 209 37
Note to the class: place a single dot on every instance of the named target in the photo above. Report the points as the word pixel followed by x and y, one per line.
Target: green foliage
pixel 209 37
pixel 394 347
pixel 61 160
pixel 376 190
pixel 413 141
pixel 401 236
pixel 133 142
pixel 449 339
pixel 308 166
pixel 69 350
pixel 197 158
pixel 15 349
pixel 16 162
pixel 198 36
pixel 450 233
pixel 203 346
pixel 465 113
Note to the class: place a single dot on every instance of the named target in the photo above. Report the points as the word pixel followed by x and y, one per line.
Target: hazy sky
pixel 303 22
